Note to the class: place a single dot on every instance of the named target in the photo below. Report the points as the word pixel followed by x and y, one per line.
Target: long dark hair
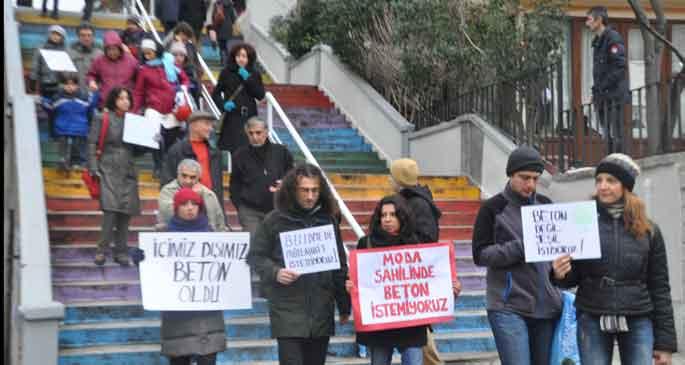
pixel 251 54
pixel 111 101
pixel 407 225
pixel 286 197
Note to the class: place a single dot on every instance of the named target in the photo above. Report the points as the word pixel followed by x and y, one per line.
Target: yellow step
pixel 69 19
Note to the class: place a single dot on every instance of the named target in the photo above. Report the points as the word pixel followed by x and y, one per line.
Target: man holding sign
pixel 522 303
pixel 302 231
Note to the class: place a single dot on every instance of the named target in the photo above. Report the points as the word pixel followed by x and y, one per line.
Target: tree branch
pixel 644 22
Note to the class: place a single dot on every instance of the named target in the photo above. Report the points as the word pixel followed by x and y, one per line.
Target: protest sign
pixel 58 60
pixel 140 131
pixel 310 250
pixel 553 230
pixel 402 286
pixel 195 271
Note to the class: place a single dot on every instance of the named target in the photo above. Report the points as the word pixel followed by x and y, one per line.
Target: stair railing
pixel 272 104
pixel 34 316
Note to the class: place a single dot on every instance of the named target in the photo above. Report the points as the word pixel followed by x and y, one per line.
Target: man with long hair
pixel 301 306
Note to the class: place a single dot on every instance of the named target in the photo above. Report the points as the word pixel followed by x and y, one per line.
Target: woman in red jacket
pixel 158 82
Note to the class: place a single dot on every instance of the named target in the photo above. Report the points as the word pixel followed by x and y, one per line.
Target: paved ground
pixel 678 359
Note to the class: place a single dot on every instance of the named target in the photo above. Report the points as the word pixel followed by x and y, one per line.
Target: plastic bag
pixel 565 341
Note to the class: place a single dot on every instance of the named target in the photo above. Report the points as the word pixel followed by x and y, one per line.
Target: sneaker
pixel 54 15
pixel 122 259
pixel 100 259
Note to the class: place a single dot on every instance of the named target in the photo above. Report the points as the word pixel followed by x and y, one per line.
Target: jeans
pixel 302 351
pixel 597 348
pixel 72 150
pixel 522 340
pixel 383 355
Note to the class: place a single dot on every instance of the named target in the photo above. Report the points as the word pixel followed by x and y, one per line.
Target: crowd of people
pixel 623 297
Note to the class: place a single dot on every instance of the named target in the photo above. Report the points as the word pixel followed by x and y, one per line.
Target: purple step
pixel 310 118
pixel 86 270
pixel 94 219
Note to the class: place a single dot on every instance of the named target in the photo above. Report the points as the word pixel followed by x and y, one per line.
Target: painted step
pixel 249 328
pixel 66 203
pixel 251 351
pixel 148 218
pixel 112 311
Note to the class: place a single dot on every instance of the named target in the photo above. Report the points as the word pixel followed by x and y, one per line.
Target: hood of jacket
pixel 111 38
pixel 424 193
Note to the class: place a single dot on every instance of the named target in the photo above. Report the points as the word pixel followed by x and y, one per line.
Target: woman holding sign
pixel 392 225
pixel 625 295
pixel 190 334
pixel 111 160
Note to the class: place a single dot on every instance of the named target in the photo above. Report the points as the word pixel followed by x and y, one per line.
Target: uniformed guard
pixel 610 89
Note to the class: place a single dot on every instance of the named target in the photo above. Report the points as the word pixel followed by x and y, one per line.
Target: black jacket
pixel 306 307
pixel 232 133
pixel 400 337
pixel 609 68
pixel 630 279
pixel 254 171
pixel 426 214
pixel 182 150
pixel 512 284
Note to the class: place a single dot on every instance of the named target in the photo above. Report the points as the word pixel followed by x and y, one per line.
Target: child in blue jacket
pixel 72 109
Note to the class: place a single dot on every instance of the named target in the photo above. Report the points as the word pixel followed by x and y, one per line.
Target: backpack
pixel 218 15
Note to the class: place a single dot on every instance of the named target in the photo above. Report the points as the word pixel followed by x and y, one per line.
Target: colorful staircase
pixel 105 322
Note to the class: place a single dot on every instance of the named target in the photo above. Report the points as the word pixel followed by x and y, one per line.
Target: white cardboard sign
pixel 140 131
pixel 552 230
pixel 310 250
pixel 58 60
pixel 195 271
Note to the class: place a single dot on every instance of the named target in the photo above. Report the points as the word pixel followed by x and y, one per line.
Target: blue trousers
pixel 522 340
pixel 597 348
pixel 383 355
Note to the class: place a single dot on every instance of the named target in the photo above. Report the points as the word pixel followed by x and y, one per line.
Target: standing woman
pixel 625 295
pixel 219 23
pixel 392 225
pixel 241 85
pixel 118 176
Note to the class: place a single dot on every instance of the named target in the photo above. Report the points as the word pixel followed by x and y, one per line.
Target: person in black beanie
pixel 625 296
pixel 522 304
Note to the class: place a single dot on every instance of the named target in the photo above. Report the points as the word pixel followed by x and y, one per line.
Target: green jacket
pixel 306 307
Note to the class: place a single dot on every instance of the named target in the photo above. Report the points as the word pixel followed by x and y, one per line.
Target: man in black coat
pixel 257 172
pixel 301 306
pixel 405 180
pixel 196 146
pixel 610 91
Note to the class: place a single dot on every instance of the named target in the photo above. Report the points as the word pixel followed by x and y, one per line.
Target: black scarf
pixel 199 224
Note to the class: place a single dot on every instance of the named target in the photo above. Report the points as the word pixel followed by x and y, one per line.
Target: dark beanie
pixel 524 158
pixel 621 167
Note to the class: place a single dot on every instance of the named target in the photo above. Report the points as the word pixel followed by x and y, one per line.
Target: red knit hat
pixel 184 195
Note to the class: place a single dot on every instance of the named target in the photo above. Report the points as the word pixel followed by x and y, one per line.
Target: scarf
pixel 615 210
pixel 199 224
pixel 170 69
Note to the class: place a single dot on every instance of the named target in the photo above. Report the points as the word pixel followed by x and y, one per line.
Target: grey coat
pixel 118 174
pixel 83 57
pixel 192 333
pixel 48 80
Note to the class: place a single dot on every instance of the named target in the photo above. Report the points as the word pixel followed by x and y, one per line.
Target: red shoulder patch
pixel 614 49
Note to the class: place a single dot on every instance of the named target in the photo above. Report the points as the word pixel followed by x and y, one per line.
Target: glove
pixel 229 106
pixel 243 73
pixel 137 255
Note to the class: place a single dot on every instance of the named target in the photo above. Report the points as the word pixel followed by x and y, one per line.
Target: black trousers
pixel 302 351
pixel 187 360
pixel 55 6
pixel 169 137
pixel 88 10
pixel 110 221
pixel 610 115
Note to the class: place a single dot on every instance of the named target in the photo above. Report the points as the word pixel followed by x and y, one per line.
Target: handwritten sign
pixel 195 271
pixel 310 250
pixel 552 230
pixel 402 286
pixel 58 60
pixel 140 131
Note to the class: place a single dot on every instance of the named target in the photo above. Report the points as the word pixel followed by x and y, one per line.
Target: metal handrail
pixel 272 104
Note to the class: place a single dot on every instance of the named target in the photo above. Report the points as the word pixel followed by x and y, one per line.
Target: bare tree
pixel 659 125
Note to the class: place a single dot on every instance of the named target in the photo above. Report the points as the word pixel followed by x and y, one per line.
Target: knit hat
pixel 178 47
pixel 134 19
pixel 148 43
pixel 405 172
pixel 525 158
pixel 621 167
pixel 197 115
pixel 184 195
pixel 57 29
